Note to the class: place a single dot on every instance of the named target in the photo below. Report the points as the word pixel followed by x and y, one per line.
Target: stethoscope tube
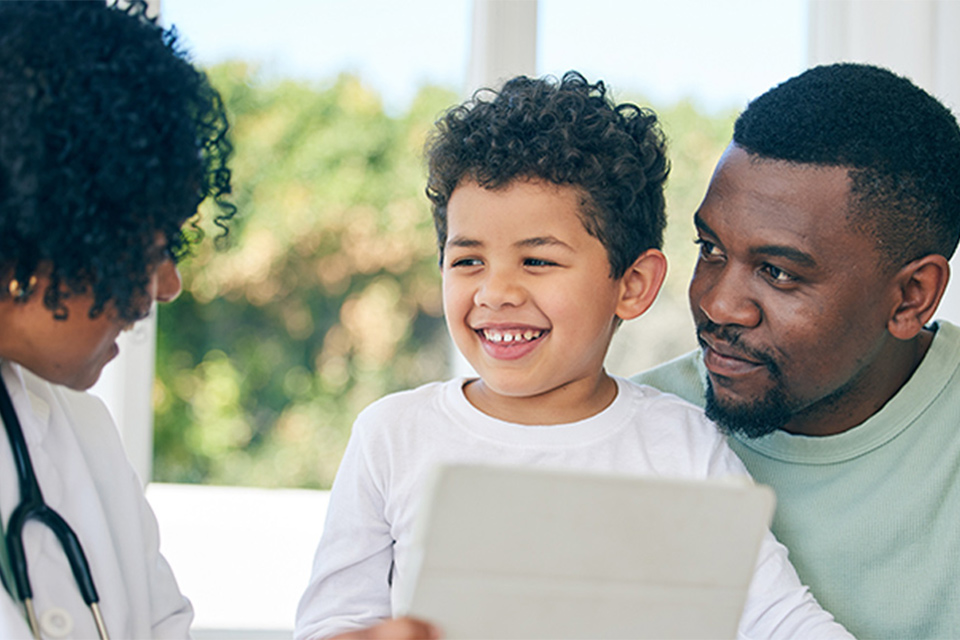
pixel 33 507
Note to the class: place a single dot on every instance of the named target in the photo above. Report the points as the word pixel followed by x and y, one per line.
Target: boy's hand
pixel 394 629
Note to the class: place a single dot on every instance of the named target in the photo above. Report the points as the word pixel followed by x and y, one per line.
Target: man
pixel 825 237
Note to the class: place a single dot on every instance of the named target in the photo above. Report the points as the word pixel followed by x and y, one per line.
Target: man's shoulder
pixel 682 376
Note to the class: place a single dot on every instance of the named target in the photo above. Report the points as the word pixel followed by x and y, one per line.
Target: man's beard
pixel 754 420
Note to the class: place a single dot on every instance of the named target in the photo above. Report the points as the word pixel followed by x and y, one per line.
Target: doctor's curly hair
pixel 568 133
pixel 109 138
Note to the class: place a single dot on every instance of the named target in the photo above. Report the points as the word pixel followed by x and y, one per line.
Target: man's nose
pixel 724 296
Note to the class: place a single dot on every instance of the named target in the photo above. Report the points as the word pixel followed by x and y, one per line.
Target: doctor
pixel 109 141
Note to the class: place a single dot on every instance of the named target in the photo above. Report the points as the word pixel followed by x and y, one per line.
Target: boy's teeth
pixel 511 336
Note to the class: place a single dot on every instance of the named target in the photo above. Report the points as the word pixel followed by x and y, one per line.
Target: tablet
pixel 507 552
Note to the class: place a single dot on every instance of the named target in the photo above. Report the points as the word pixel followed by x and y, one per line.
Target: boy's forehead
pixel 522 192
pixel 531 212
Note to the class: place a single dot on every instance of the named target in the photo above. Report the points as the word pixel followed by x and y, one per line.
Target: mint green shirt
pixel 872 515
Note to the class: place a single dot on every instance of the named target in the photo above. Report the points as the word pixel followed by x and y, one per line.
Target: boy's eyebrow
pixel 777 250
pixel 543 241
pixel 537 241
pixel 461 241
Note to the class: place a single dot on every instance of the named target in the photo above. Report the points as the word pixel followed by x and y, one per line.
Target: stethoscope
pixel 32 507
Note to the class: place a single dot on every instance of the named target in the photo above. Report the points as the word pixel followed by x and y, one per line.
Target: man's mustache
pixel 733 338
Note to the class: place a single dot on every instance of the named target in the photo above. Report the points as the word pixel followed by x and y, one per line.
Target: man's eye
pixel 465 262
pixel 707 248
pixel 778 275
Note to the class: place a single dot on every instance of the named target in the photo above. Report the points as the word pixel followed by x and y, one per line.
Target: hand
pixel 394 629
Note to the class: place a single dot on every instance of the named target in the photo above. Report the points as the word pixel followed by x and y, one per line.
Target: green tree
pixel 695 142
pixel 326 298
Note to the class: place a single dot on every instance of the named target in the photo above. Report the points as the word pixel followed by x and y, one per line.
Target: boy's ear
pixel 919 286
pixel 641 283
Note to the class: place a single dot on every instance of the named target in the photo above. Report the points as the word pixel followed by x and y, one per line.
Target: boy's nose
pixel 497 290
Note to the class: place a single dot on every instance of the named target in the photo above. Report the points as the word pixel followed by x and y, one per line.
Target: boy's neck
pixel 575 401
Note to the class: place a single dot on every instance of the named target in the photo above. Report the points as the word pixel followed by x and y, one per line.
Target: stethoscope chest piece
pixel 56 623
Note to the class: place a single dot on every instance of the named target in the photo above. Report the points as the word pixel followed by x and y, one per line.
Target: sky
pixel 717 53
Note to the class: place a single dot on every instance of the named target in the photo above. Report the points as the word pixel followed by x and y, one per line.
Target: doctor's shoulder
pixel 93 428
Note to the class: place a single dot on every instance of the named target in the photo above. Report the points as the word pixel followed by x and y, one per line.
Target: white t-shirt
pixel 399 439
pixel 84 475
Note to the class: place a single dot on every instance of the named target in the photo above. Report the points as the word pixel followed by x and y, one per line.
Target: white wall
pixel 915 38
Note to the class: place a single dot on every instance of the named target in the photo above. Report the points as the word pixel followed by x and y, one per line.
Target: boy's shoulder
pixel 677 436
pixel 641 390
pixel 397 405
pixel 660 404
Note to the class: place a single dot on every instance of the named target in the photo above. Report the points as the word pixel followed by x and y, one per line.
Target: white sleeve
pixel 779 606
pixel 156 605
pixel 171 612
pixel 349 586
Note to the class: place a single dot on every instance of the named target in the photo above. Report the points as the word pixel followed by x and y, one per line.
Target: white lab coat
pixel 85 476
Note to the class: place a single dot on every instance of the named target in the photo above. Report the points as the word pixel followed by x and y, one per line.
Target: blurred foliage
pixel 327 295
pixel 326 298
pixel 695 143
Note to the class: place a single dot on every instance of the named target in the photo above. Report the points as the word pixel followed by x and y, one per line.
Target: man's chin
pixel 754 420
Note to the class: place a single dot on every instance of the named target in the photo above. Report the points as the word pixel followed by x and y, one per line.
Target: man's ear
pixel 641 283
pixel 920 286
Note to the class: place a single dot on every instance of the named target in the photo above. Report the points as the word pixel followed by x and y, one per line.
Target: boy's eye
pixel 538 262
pixel 465 262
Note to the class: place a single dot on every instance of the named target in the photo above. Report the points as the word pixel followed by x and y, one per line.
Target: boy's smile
pixel 509 343
pixel 529 301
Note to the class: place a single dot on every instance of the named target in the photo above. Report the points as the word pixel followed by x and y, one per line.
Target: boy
pixel 549 210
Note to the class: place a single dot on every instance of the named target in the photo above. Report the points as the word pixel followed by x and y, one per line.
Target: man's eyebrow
pixel 700 224
pixel 790 253
pixel 776 250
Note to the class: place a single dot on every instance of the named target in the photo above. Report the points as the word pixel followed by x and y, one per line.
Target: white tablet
pixel 507 552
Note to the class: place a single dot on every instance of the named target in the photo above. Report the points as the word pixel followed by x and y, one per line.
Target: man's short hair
pixel 109 136
pixel 568 133
pixel 901 145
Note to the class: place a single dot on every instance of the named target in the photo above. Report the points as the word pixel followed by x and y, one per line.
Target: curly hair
pixel 109 136
pixel 568 133
pixel 901 146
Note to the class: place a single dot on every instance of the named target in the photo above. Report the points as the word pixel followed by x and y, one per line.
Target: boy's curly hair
pixel 568 133
pixel 109 136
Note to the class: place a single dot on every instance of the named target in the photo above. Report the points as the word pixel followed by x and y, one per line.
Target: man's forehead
pixel 773 202
pixel 778 184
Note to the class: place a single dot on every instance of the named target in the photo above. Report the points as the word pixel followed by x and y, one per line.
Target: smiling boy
pixel 548 204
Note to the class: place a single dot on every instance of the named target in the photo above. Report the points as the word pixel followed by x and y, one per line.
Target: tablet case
pixel 507 552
